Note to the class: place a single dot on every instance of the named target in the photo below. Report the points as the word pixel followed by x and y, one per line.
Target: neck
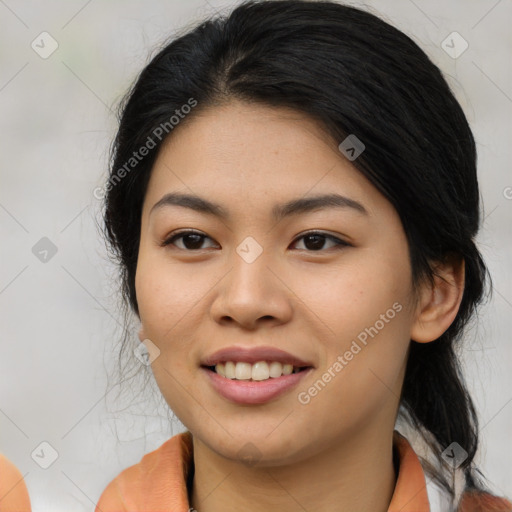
pixel 357 475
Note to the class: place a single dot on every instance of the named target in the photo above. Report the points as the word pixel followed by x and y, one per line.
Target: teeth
pixel 220 369
pixel 242 371
pixel 258 371
pixel 229 369
pixel 287 369
pixel 275 369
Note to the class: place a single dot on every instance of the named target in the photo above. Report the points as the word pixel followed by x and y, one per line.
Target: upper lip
pixel 253 355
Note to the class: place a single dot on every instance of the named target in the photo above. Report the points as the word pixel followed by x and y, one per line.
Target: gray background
pixel 60 320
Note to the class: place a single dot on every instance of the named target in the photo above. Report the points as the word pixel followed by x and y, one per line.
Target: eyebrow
pixel 279 211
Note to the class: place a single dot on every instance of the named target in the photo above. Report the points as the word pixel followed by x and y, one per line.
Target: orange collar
pixel 410 493
pixel 159 480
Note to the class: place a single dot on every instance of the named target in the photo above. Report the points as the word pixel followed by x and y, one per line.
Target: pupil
pixel 196 241
pixel 318 241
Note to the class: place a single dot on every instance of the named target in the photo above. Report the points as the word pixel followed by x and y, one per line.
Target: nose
pixel 252 294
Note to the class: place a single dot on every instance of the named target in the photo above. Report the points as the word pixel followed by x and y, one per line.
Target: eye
pixel 192 240
pixel 314 240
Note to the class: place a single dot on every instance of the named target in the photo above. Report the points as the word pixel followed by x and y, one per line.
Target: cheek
pixel 365 319
pixel 166 296
pixel 171 307
pixel 351 296
pixel 362 371
pixel 166 301
pixel 372 321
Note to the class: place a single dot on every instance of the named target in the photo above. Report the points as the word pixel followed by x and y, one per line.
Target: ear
pixel 142 336
pixel 439 302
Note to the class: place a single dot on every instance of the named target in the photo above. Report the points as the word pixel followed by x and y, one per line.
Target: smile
pixel 261 370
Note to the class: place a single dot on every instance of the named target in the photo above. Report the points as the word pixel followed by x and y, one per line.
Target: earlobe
pixel 142 336
pixel 439 301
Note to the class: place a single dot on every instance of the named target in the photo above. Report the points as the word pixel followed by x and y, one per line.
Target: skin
pixel 310 303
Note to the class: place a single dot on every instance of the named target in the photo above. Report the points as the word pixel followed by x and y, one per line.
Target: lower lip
pixel 251 391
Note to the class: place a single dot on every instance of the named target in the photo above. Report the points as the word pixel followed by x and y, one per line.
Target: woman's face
pixel 337 304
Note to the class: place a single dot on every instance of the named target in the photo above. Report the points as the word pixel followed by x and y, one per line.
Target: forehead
pixel 255 155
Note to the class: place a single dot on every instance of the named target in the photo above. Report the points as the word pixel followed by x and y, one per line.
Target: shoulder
pixel 13 491
pixel 479 501
pixel 159 476
pixel 440 499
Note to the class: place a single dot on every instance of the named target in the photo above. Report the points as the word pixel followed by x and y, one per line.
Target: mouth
pixel 254 363
pixel 259 371
pixel 244 390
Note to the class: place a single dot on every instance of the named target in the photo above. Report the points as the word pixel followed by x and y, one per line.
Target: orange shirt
pixel 13 491
pixel 158 483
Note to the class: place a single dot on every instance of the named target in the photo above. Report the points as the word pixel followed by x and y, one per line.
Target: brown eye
pixel 191 240
pixel 315 240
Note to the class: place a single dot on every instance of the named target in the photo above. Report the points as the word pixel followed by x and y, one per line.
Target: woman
pixel 293 201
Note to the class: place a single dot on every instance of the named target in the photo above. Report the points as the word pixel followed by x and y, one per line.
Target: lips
pixel 254 355
pixel 249 392
pixel 239 387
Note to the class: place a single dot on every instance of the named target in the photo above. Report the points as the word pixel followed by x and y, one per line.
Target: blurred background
pixel 64 66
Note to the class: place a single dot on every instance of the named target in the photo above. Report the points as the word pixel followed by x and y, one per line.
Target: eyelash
pixel 339 243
